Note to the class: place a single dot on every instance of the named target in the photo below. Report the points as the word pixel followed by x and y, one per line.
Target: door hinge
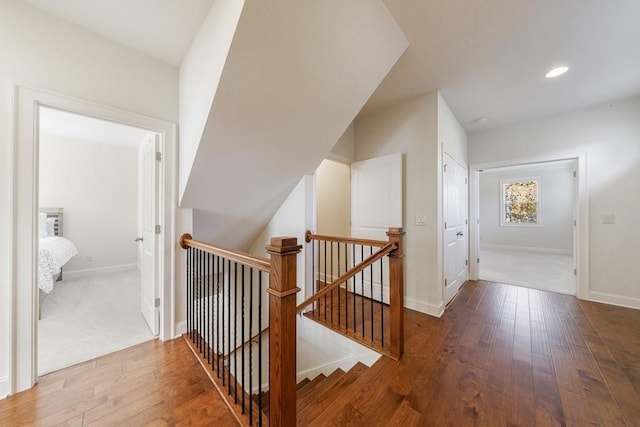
pixel 575 174
pixel 466 262
pixel 575 222
pixel 466 181
pixel 158 156
pixel 158 229
pixel 445 167
pixel 157 303
pixel 445 225
pixel 575 272
pixel 445 282
pixel 466 221
pixel 478 260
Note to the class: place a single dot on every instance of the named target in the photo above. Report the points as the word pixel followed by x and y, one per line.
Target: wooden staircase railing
pixel 226 294
pixel 356 288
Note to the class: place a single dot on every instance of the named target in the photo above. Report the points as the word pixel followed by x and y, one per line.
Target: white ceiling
pixel 62 123
pixel 163 29
pixel 488 58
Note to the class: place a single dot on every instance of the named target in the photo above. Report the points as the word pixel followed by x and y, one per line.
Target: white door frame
pixel 24 202
pixel 581 229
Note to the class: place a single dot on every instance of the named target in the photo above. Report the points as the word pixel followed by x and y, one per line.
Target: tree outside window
pixel 520 202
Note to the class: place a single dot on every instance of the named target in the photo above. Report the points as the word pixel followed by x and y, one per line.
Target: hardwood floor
pixel 504 356
pixel 499 356
pixel 153 383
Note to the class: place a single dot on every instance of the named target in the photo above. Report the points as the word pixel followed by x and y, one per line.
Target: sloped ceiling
pixel 296 75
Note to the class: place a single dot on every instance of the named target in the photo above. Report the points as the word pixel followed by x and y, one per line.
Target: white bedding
pixel 54 252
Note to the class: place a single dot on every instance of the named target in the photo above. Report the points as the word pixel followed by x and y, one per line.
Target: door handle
pixel 139 239
pixel 460 233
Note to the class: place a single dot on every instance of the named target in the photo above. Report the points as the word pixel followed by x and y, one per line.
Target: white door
pixel 455 226
pixel 150 239
pixel 376 205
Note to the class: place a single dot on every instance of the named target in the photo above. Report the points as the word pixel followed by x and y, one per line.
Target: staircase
pixel 316 397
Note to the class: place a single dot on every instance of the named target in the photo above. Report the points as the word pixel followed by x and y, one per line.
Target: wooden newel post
pixel 396 286
pixel 282 331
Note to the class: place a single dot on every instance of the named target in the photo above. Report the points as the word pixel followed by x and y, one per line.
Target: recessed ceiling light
pixel 558 71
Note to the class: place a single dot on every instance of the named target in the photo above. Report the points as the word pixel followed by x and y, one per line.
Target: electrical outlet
pixel 421 220
pixel 607 219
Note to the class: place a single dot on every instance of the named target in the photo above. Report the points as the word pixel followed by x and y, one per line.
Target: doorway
pixel 24 235
pixel 579 223
pixel 95 287
pixel 526 225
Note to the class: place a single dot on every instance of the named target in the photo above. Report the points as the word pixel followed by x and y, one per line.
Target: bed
pixel 54 250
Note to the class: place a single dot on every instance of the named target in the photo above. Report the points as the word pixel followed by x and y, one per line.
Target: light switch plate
pixel 607 219
pixel 421 220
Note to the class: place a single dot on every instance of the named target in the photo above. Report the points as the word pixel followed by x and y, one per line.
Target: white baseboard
pixel 424 307
pixel 4 387
pixel 526 249
pixel 181 328
pixel 622 301
pixel 98 271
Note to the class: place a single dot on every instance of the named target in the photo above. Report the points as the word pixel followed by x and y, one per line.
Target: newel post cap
pixel 284 245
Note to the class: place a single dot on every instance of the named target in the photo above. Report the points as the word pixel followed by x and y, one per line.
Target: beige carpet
pixel 547 272
pixel 89 317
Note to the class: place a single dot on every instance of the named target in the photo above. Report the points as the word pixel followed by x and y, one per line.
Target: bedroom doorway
pixel 98 246
pixel 24 238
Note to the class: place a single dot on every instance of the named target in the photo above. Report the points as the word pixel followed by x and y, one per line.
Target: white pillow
pixel 51 227
pixel 42 225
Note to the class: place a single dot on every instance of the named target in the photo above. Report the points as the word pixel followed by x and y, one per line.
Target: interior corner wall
pixel 343 151
pixel 609 134
pixel 555 234
pixel 92 182
pixel 293 219
pixel 42 51
pixel 411 128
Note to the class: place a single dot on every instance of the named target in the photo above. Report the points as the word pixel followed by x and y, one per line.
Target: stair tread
pixel 307 388
pixel 302 383
pixel 320 388
pixel 344 399
pixel 320 403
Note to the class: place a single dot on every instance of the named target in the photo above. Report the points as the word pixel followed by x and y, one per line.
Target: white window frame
pixel 538 181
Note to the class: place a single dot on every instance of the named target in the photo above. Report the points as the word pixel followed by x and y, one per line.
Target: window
pixel 520 202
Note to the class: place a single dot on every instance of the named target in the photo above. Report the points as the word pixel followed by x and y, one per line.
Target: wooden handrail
pixel 309 236
pixel 386 249
pixel 244 258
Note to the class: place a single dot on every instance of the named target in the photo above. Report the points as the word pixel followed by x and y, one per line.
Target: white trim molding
pixel 180 328
pixel 527 249
pixel 4 387
pixel 24 193
pixel 435 310
pixel 619 300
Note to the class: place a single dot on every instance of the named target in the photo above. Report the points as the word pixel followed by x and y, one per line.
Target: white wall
pixel 411 128
pixel 40 50
pixel 93 183
pixel 609 134
pixel 344 149
pixel 555 209
pixel 421 129
pixel 293 219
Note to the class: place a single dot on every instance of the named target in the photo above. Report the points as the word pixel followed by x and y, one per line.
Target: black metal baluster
pixel 331 280
pixel 218 316
pixel 325 278
pixel 242 284
pixel 207 293
pixel 188 289
pixel 313 270
pixel 250 342
pixel 200 301
pixel 371 292
pixel 353 289
pixel 260 349
pixel 362 286
pixel 381 302
pixel 338 285
pixel 229 333
pixel 235 332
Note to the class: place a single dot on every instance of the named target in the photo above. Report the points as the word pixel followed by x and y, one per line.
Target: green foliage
pixel 521 202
